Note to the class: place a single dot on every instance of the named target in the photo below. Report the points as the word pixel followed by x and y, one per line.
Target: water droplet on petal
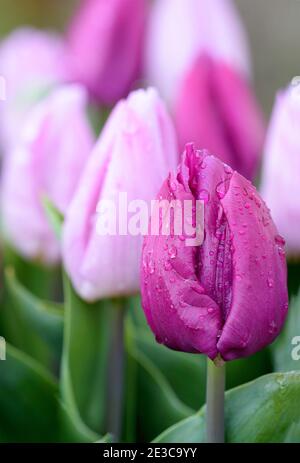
pixel 279 240
pixel 210 310
pixel 204 195
pixel 270 282
pixel 167 265
pixel 272 327
pixel 151 267
pixel 227 169
pixel 172 252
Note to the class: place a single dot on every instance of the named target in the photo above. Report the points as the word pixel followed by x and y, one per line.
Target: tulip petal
pixel 217 110
pixel 260 302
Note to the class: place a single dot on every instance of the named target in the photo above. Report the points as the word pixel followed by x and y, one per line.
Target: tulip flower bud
pixel 48 160
pixel 216 108
pixel 228 296
pixel 105 44
pixel 182 30
pixel 280 173
pixel 31 62
pixel 134 153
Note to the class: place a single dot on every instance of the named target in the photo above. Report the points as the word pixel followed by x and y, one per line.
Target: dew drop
pixel 279 240
pixel 167 265
pixel 172 252
pixel 204 195
pixel 272 327
pixel 270 282
pixel 227 169
pixel 151 267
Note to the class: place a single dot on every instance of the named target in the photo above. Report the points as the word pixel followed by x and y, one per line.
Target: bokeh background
pixel 272 26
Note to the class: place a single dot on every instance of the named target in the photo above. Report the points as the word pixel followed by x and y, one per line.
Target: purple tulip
pixel 31 63
pixel 281 166
pixel 227 297
pixel 217 109
pixel 135 152
pixel 105 44
pixel 48 159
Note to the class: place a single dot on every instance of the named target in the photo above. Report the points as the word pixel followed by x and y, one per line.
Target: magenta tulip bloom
pixel 31 63
pixel 105 45
pixel 48 160
pixel 227 297
pixel 134 153
pixel 281 167
pixel 180 31
pixel 217 109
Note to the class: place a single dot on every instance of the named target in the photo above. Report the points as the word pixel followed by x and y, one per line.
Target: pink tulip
pixel 181 30
pixel 134 153
pixel 228 296
pixel 48 159
pixel 105 45
pixel 31 63
pixel 216 108
pixel 281 167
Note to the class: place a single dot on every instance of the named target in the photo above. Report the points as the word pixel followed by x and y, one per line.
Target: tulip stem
pixel 116 371
pixel 215 390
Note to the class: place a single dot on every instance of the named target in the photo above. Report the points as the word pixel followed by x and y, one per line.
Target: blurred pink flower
pixel 48 159
pixel 31 63
pixel 281 167
pixel 216 108
pixel 181 30
pixel 135 151
pixel 105 45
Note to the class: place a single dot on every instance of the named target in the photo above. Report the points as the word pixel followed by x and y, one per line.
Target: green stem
pixel 215 388
pixel 116 373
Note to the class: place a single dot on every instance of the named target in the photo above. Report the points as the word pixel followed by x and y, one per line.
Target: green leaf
pixel 157 404
pixel 263 410
pixel 35 276
pixel 283 347
pixel 55 218
pixel 30 410
pixel 85 357
pixel 33 325
pixel 186 373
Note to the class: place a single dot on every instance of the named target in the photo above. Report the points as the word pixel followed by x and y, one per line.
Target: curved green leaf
pixel 30 410
pixel 34 326
pixel 263 410
pixel 157 404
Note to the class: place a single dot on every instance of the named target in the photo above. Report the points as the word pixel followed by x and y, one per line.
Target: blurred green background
pixel 272 26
